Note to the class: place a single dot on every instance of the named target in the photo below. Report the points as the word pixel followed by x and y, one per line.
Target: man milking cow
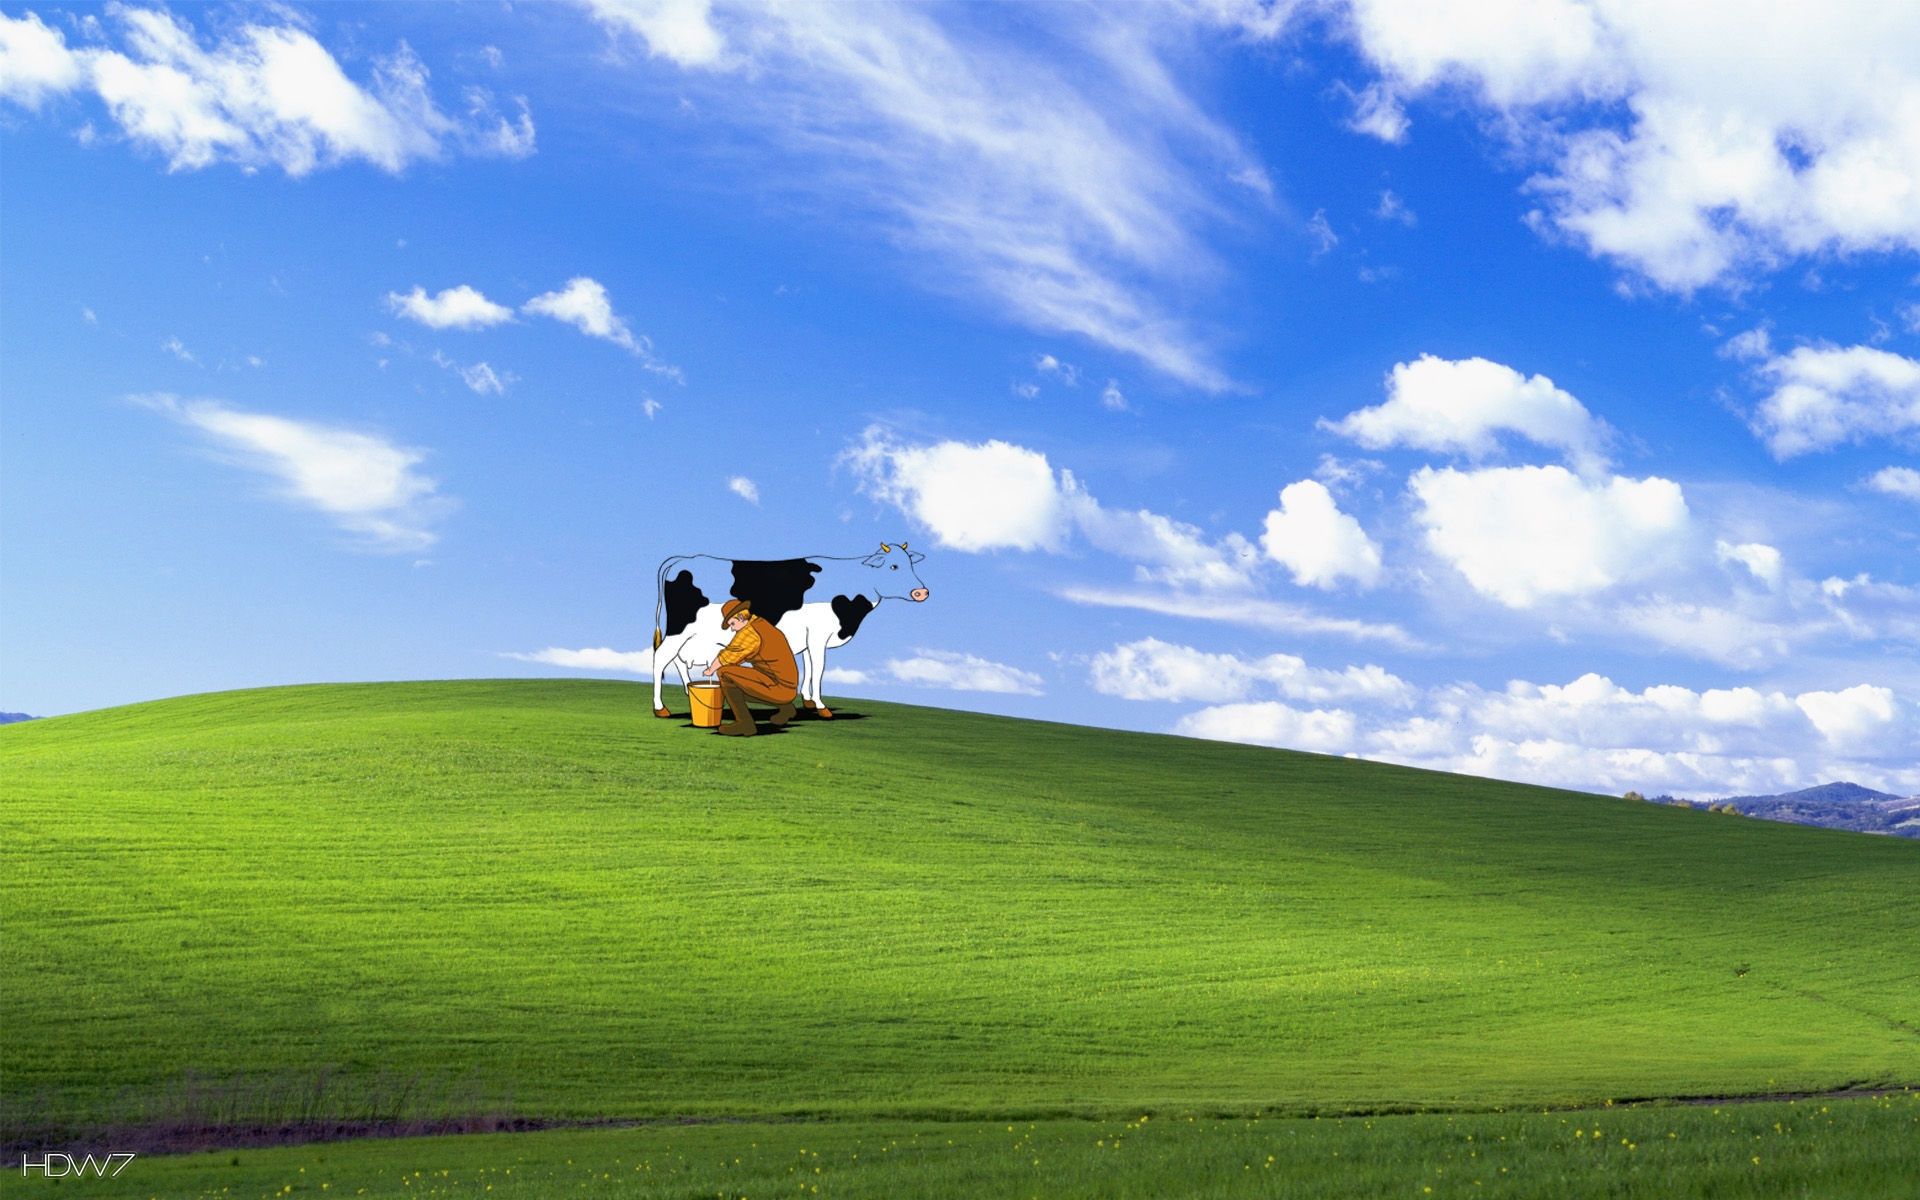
pixel 756 666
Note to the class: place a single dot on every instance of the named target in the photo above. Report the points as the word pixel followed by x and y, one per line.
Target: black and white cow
pixel 818 603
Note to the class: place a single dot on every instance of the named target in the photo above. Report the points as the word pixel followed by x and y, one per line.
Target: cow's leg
pixel 661 657
pixel 669 653
pixel 816 670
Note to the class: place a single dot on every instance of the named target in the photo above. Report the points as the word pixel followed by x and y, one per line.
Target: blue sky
pixel 1528 389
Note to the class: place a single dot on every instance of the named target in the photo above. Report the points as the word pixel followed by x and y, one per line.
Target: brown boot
pixel 742 723
pixel 786 712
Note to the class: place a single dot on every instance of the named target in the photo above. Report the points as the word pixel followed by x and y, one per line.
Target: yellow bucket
pixel 703 698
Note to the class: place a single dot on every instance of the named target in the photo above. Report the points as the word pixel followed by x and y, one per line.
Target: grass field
pixel 1863 1149
pixel 533 897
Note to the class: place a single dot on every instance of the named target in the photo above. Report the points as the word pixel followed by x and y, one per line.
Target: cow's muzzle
pixel 919 593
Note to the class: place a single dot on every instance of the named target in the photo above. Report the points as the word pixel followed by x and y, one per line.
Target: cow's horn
pixel 903 545
pixel 884 548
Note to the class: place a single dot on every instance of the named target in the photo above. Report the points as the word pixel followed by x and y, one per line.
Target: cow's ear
pixel 914 555
pixel 873 560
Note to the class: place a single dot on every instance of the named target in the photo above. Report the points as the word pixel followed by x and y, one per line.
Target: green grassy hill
pixel 538 889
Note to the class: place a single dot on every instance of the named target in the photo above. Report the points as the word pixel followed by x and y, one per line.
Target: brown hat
pixel 735 608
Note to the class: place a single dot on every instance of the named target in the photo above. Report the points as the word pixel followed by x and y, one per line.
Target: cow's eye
pixel 894 567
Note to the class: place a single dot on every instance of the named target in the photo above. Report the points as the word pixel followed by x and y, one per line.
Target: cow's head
pixel 894 574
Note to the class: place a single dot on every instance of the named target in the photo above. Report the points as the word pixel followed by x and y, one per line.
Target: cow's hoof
pixel 823 712
pixel 661 712
pixel 810 706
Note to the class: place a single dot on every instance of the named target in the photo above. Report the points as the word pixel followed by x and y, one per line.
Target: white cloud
pixel 1691 144
pixel 1111 398
pixel 485 380
pixel 1150 669
pixel 680 30
pixel 1761 561
pixel 35 62
pixel 989 496
pixel 1324 238
pixel 178 349
pixel 630 662
pixel 1271 723
pixel 962 673
pixel 1392 208
pixel 584 304
pixel 1712 632
pixel 1752 345
pixel 1066 188
pixel 1593 734
pixel 1377 113
pixel 365 484
pixel 744 488
pixel 1458 407
pixel 651 407
pixel 1047 364
pixel 998 496
pixel 1852 718
pixel 1246 611
pixel 1824 396
pixel 1319 544
pixel 270 95
pixel 1903 482
pixel 459 307
pixel 1523 534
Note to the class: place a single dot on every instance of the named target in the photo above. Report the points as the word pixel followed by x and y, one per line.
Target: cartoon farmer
pixel 756 665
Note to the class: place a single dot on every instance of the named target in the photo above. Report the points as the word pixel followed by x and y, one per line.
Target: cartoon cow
pixel 818 603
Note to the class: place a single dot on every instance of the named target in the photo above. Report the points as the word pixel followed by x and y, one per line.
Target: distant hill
pixel 10 718
pixel 1832 806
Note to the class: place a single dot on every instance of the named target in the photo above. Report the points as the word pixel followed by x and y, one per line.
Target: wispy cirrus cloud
pixel 1066 186
pixel 946 669
pixel 363 483
pixel 269 94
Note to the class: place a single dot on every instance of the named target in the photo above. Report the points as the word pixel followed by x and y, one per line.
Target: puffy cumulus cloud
pixel 744 488
pixel 460 307
pixel 1596 735
pixel 975 497
pixel 1274 723
pixel 1067 190
pixel 998 496
pixel 1458 406
pixel 1524 534
pixel 1824 396
pixel 363 483
pixel 1319 544
pixel 35 62
pixel 1851 719
pixel 1762 561
pixel 1271 723
pixel 1691 144
pixel 629 662
pixel 1903 482
pixel 269 95
pixel 1150 669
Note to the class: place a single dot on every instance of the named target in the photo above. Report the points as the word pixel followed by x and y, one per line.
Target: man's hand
pixel 711 667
